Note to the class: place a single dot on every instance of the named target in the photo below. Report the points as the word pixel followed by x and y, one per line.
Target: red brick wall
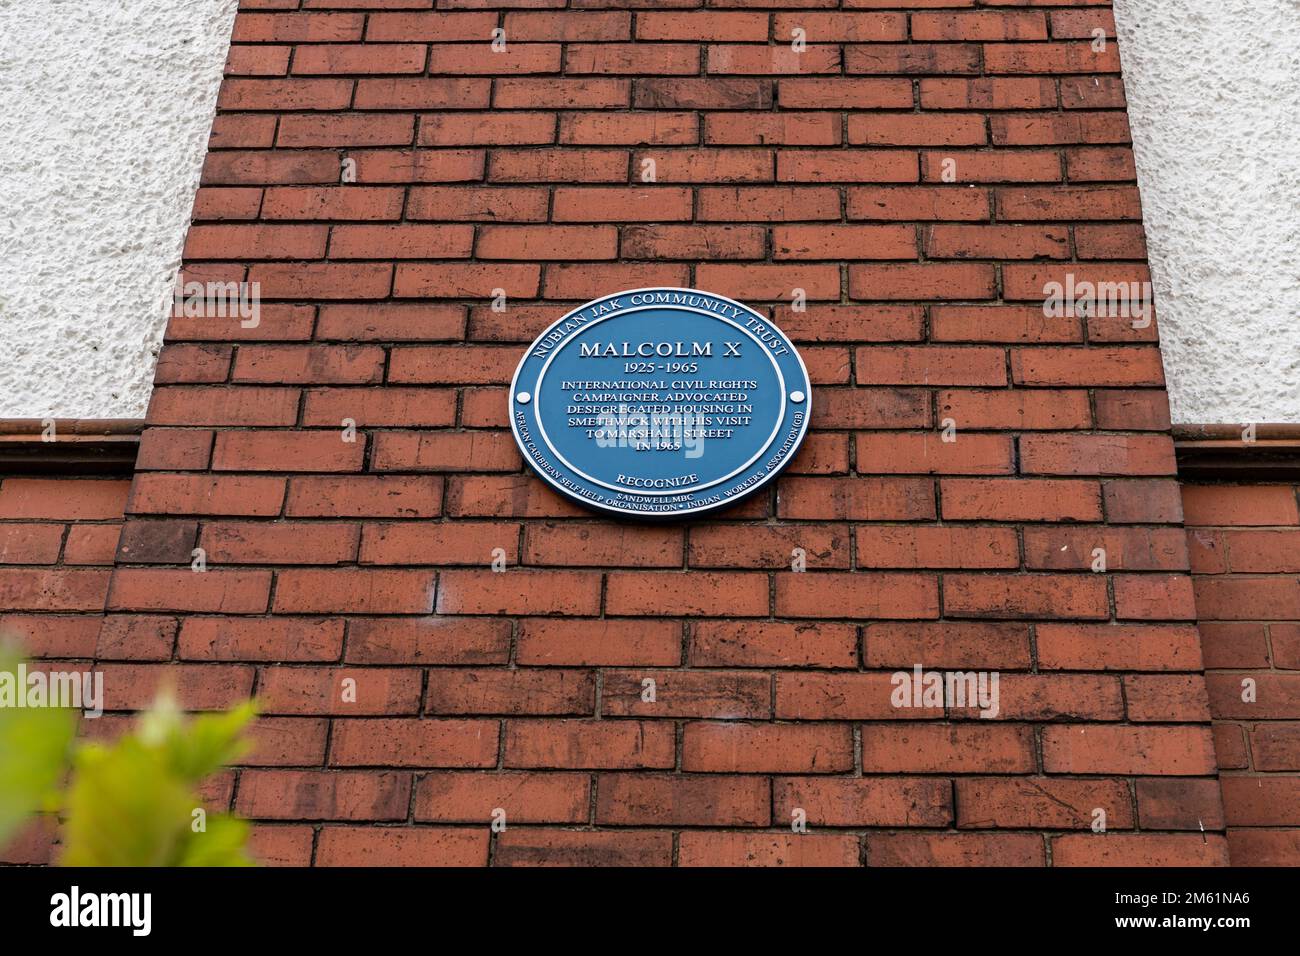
pixel 332 562
pixel 57 542
pixel 58 536
pixel 1245 548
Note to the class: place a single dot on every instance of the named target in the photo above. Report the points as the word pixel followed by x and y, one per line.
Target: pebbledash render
pixel 436 637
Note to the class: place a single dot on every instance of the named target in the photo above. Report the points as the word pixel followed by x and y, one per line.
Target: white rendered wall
pixel 106 110
pixel 107 106
pixel 1214 104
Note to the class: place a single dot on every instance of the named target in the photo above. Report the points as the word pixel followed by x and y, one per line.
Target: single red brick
pixel 365 496
pixel 729 747
pixel 711 93
pixel 405 241
pixel 601 744
pixel 628 129
pixel 863 801
pixel 1130 549
pixel 768 203
pixel 363 591
pixel 1066 203
pixel 287 742
pixel 686 694
pixel 281 845
pixel 1062 803
pixel 988 93
pixel 32 543
pixel 260 639
pixel 1139 849
pixel 514 60
pixel 771 281
pixel 196 686
pixel 402 846
pixel 847 242
pixel 733 848
pixel 324 280
pixel 357 130
pixel 1014 409
pixel 444 451
pixel 1251 847
pixel 518 592
pixel 572 25
pixel 675 800
pixel 561 543
pixel 1025 595
pixel 547 242
pixel 407 407
pixel 764 644
pixel 406 742
pixel 1050 58
pixel 494 204
pixel 1118 647
pixel 778 129
pixel 947 748
pixel 255 242
pixel 576 93
pixel 215 590
pixel 949 644
pixel 517 691
pixel 284 94
pixel 423 93
pixel 954 849
pixel 908 546
pixel 480 129
pixel 286 451
pixel 845 93
pixel 912 203
pixel 63 499
pixel 455 280
pixel 479 798
pixel 439 27
pixel 332 202
pixel 1172 804
pixel 839 697
pixel 428 640
pixel 537 846
pixel 925 280
pixel 1170 750
pixel 1141 502
pixel 319 795
pixel 702 25
pixel 913 58
pixel 1236 505
pixel 560 642
pixel 928 453
pixel 1017 499
pixel 1275 746
pixel 395 321
pixel 40 589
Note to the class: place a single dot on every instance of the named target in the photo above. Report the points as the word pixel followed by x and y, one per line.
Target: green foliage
pixel 132 802
pixel 35 745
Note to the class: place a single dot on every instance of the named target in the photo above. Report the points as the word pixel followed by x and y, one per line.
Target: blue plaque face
pixel 660 403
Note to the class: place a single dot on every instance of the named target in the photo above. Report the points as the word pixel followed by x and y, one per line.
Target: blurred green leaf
pixel 132 802
pixel 34 749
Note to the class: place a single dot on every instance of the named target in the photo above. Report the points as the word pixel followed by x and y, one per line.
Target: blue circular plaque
pixel 660 403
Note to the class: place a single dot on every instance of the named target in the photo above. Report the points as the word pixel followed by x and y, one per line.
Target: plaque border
pixel 687 513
